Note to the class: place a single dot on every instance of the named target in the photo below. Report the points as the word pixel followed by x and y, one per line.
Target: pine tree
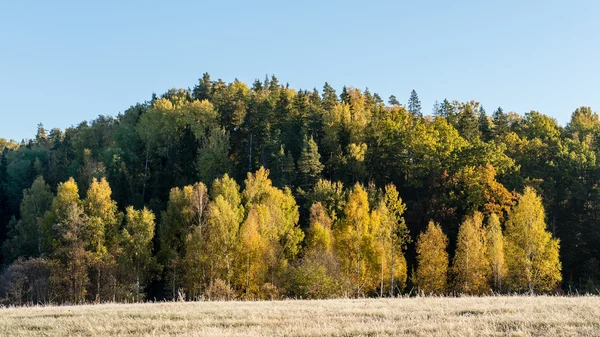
pixel 495 252
pixel 414 105
pixel 393 101
pixel 432 260
pixel 531 253
pixel 470 266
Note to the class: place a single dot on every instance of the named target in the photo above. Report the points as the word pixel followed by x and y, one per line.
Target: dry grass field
pixel 469 316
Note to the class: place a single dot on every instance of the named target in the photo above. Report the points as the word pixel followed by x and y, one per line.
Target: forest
pixel 231 191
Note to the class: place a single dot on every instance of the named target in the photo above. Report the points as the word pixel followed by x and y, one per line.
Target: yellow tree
pixel 495 252
pixel 224 218
pixel 316 276
pixel 531 252
pixel 103 225
pixel 276 220
pixel 252 271
pixel 136 240
pixel 398 240
pixel 355 243
pixel 195 256
pixel 470 266
pixel 66 235
pixel 432 260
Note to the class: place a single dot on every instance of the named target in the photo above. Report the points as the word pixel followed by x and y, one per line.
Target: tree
pixel 501 123
pixel 485 126
pixel 213 157
pixel 355 244
pixel 470 266
pixel 66 233
pixel 414 105
pixel 103 225
pixel 393 101
pixel 316 275
pixel 531 252
pixel 399 238
pixel 37 200
pixel 495 252
pixel 309 163
pixel 136 240
pixel 432 260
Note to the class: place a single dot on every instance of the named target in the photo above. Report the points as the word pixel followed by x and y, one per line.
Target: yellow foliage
pixel 432 260
pixel 531 252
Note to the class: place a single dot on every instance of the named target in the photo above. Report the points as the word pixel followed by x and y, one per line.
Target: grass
pixel 430 316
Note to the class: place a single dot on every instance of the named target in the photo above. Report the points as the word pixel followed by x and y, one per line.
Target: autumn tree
pixel 66 236
pixel 531 252
pixel 470 266
pixel 432 260
pixel 136 241
pixel 103 226
pixel 495 252
pixel 355 244
pixel 317 274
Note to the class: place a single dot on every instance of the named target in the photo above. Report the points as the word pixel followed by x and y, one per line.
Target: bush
pixel 219 291
pixel 33 281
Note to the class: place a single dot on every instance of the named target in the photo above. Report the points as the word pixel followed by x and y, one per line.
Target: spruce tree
pixel 309 163
pixel 414 105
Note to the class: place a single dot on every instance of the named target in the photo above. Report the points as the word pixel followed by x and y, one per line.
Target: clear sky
pixel 62 62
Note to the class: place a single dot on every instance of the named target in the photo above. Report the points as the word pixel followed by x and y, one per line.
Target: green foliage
pixel 295 228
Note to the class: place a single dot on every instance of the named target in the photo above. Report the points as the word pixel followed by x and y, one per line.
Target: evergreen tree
pixel 485 126
pixel 414 105
pixel 309 163
pixel 501 126
pixel 393 101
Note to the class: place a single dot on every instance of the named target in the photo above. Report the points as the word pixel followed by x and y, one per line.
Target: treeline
pixel 228 243
pixel 321 214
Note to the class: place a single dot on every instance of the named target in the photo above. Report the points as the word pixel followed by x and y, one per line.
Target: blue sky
pixel 66 61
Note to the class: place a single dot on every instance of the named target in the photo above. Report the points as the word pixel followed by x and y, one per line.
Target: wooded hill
pixel 235 191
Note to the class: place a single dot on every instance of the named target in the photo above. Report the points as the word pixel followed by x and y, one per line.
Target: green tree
pixel 309 164
pixel 213 157
pixel 414 104
pixel 27 239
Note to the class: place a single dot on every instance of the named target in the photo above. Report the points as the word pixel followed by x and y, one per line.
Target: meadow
pixel 418 316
